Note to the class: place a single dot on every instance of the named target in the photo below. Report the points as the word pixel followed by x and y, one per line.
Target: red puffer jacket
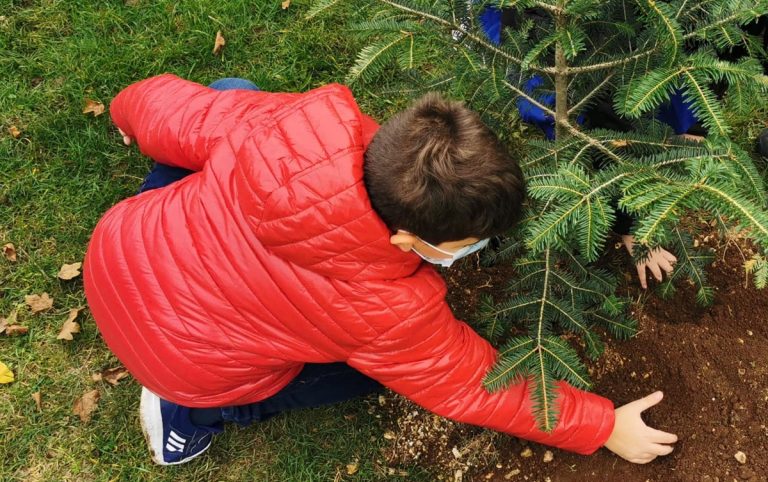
pixel 215 290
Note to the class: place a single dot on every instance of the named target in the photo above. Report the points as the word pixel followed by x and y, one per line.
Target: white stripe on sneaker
pixel 177 437
pixel 174 443
pixel 171 448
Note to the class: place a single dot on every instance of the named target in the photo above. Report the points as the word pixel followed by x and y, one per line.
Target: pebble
pixel 512 473
pixel 741 457
pixel 548 456
pixel 527 452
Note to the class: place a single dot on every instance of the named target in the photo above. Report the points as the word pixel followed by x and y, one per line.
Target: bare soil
pixel 711 362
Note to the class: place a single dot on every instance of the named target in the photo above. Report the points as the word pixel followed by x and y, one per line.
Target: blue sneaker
pixel 172 437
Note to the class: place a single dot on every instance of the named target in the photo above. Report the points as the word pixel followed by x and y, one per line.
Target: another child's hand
pixel 632 439
pixel 126 138
pixel 659 261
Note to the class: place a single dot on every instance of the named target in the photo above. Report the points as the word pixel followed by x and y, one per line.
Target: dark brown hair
pixel 437 171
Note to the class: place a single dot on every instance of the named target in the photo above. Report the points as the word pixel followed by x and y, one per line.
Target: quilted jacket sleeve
pixel 176 122
pixel 439 363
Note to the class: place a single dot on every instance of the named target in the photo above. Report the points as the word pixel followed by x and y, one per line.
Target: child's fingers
pixel 659 449
pixel 642 275
pixel 661 437
pixel 127 140
pixel 656 271
pixel 670 257
pixel 666 265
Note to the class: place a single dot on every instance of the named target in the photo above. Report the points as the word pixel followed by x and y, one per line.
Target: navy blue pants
pixel 316 385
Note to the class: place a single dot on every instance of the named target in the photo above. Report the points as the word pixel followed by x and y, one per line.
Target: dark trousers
pixel 316 385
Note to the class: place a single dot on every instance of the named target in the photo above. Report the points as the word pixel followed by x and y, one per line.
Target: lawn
pixel 61 169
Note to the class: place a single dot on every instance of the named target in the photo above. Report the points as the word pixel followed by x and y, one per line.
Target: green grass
pixel 67 168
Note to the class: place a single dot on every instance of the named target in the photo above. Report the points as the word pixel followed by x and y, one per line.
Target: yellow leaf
pixel 69 271
pixel 286 4
pixel 14 131
pixel 93 107
pixel 6 375
pixel 9 251
pixel 38 401
pixel 352 468
pixel 39 302
pixel 219 43
pixel 70 326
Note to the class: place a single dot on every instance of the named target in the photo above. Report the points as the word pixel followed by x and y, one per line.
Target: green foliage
pixel 638 54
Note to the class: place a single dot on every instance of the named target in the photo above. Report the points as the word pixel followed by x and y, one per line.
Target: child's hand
pixel 659 261
pixel 632 439
pixel 126 138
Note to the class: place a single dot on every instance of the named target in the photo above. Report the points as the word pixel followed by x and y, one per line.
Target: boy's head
pixel 436 173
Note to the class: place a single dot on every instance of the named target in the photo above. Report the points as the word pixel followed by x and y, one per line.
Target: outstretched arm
pixel 176 122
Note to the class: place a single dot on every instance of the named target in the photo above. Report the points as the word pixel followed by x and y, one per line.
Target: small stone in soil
pixel 512 473
pixel 548 456
pixel 527 452
pixel 741 457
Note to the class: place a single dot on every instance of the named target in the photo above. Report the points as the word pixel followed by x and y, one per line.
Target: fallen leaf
pixel 6 322
pixel 352 468
pixel 111 375
pixel 619 143
pixel 85 405
pixel 38 401
pixel 70 326
pixel 69 271
pixel 93 107
pixel 15 330
pixel 39 302
pixel 286 4
pixel 219 43
pixel 14 131
pixel 6 375
pixel 9 251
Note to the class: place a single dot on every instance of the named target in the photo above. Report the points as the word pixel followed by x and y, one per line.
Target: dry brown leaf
pixel 6 322
pixel 38 401
pixel 93 107
pixel 70 326
pixel 286 4
pixel 219 43
pixel 111 375
pixel 14 131
pixel 85 405
pixel 69 271
pixel 9 251
pixel 15 330
pixel 39 302
pixel 619 143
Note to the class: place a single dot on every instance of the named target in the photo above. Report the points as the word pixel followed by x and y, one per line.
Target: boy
pixel 287 270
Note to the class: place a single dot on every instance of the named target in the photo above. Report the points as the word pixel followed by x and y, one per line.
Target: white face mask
pixel 447 262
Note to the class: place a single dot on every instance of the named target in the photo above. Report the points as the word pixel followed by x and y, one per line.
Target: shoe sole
pixel 152 428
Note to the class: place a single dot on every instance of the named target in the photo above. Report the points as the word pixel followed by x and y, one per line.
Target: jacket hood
pixel 299 180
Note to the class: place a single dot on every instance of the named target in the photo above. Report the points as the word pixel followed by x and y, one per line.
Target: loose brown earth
pixel 711 363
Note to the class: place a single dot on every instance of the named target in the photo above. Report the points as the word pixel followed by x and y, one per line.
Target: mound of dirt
pixel 711 363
